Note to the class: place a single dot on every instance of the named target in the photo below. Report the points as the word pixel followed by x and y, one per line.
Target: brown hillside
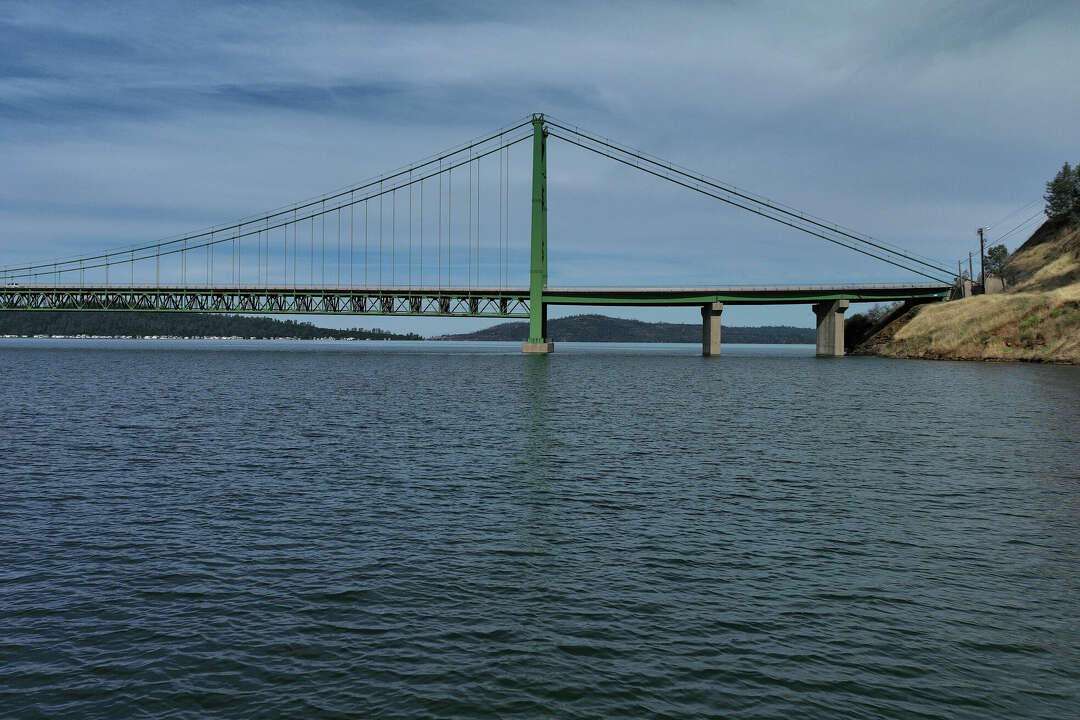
pixel 1050 259
pixel 1037 319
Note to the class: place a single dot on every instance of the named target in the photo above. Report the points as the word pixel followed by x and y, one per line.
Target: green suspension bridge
pixel 402 244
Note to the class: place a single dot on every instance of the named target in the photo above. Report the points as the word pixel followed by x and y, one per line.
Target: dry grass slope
pixel 1037 320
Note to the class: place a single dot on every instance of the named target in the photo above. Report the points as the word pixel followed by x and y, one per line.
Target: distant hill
pixel 601 328
pixel 142 324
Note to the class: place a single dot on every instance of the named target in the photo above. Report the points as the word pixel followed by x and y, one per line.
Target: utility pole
pixel 971 270
pixel 982 259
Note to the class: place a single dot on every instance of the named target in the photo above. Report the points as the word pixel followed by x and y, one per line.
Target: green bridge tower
pixel 538 339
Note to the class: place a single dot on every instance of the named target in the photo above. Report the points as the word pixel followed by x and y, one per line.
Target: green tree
pixel 1063 193
pixel 996 259
pixel 1076 193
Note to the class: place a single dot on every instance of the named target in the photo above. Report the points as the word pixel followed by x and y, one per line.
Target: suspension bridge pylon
pixel 538 342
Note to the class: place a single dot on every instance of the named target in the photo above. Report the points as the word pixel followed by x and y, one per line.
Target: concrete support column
pixel 710 328
pixel 830 327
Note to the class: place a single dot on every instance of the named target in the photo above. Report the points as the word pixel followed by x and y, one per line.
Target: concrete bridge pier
pixel 710 328
pixel 537 348
pixel 830 327
pixel 538 344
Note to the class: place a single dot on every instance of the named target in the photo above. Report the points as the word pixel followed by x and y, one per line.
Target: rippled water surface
pixel 272 529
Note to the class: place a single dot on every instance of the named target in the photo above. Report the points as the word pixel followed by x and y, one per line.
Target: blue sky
pixel 913 122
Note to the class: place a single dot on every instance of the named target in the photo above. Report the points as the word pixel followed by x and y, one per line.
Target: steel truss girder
pixel 464 303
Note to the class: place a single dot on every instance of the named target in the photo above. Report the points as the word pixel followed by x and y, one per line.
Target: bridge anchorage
pixel 274 264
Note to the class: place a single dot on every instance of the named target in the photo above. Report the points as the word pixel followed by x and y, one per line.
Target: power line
pixel 1002 237
pixel 1014 212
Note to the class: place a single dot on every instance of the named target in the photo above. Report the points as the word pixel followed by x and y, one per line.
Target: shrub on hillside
pixel 857 327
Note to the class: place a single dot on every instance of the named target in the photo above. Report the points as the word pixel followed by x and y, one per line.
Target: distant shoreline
pixel 602 328
pixel 350 339
pixel 165 325
pixel 40 336
pixel 161 325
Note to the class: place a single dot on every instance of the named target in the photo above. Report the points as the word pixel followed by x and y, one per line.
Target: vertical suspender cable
pixel 421 232
pixel 438 264
pixel 478 161
pixel 468 227
pixel 393 236
pixel 450 227
pixel 506 232
pixel 380 232
pixel 500 261
pixel 410 227
pixel 352 223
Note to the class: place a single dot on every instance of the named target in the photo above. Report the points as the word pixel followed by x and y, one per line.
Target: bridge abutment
pixel 830 327
pixel 710 328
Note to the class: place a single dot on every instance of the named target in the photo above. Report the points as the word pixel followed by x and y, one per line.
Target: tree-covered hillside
pixel 139 324
pixel 601 328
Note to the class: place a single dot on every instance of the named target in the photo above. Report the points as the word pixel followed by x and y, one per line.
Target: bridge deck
pixel 507 302
pixel 745 294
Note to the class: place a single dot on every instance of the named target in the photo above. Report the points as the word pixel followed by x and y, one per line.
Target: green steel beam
pixel 276 301
pixel 246 311
pixel 735 297
pixel 538 239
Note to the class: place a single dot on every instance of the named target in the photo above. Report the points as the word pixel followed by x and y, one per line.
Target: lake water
pixel 291 529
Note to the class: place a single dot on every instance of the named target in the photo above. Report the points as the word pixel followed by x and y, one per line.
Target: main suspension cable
pixel 346 196
pixel 748 208
pixel 703 179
